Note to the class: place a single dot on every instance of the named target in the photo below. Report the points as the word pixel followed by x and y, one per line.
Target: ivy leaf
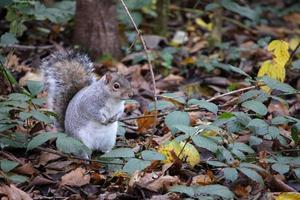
pixel 119 153
pixel 256 106
pixel 135 164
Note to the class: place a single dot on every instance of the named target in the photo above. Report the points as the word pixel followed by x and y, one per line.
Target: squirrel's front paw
pixel 113 119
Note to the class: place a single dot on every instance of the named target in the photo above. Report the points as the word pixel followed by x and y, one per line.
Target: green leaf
pixel 38 101
pixel 4 3
pixel 35 87
pixel 8 39
pixel 217 190
pixel 281 168
pixel 161 105
pixel 252 175
pixel 258 123
pixel 280 120
pixel 69 144
pixel 241 10
pixel 226 115
pixel 18 97
pixel 205 142
pixel 256 106
pixel 17 178
pixel 135 164
pixel 277 85
pixel 119 153
pixel 255 140
pixel 242 147
pixel 186 129
pixel 15 140
pixel 8 165
pixel 152 155
pixel 25 115
pixel 230 174
pixel 230 68
pixel 177 118
pixel 216 163
pixel 248 95
pixel 253 166
pixel 41 117
pixel 40 139
pixel 183 189
pixel 295 134
pixel 121 130
pixel 204 104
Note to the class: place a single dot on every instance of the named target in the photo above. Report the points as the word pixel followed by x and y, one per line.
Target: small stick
pixel 139 34
pixel 28 47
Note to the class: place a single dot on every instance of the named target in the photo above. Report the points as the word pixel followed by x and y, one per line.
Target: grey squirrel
pixel 88 109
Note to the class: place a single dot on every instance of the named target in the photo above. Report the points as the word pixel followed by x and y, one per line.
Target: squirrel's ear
pixel 108 77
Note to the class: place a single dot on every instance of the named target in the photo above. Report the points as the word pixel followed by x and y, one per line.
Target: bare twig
pixel 28 47
pixel 149 63
pixel 75 157
pixel 192 109
pixel 293 54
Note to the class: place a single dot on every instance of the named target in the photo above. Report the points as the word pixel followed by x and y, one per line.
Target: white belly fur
pixel 98 136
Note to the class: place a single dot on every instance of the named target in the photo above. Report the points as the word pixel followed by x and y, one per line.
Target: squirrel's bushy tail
pixel 65 73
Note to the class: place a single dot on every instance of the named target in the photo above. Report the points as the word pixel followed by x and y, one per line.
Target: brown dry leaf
pixel 122 68
pixel 26 169
pixel 242 191
pixel 160 140
pixel 198 46
pixel 163 183
pixel 46 157
pixel 293 18
pixel 146 123
pixel 13 193
pixel 154 182
pixel 278 108
pixel 171 81
pixel 40 180
pixel 77 177
pixel 30 76
pixel 97 178
pixel 203 179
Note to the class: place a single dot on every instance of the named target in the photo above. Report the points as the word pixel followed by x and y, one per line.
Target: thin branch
pixel 293 54
pixel 192 109
pixel 75 157
pixel 28 47
pixel 149 63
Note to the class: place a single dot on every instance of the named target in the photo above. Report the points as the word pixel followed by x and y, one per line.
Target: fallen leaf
pixel 242 191
pixel 174 149
pixel 26 169
pixel 77 177
pixel 13 193
pixel 288 196
pixel 145 123
pixel 202 179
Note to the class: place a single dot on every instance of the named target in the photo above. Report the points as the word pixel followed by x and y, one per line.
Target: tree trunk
pixel 162 9
pixel 96 27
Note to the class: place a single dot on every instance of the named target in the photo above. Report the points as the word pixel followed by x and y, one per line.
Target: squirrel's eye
pixel 116 86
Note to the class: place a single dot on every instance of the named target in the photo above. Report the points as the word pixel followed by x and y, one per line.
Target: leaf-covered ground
pixel 225 126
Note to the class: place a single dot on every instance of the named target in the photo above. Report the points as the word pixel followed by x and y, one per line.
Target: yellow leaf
pixel 293 42
pixel 203 24
pixel 288 196
pixel 189 154
pixel 279 49
pixel 273 70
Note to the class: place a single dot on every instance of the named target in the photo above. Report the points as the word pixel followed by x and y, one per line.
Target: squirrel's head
pixel 117 85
